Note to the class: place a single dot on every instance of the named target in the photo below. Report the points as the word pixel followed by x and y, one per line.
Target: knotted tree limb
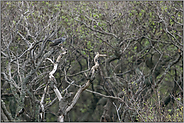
pixel 52 79
pixel 52 82
pixel 42 108
pixel 82 88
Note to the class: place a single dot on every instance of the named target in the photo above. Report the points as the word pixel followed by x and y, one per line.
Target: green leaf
pixel 133 11
pixel 99 24
pixel 66 19
pixel 147 42
pixel 142 10
pixel 57 75
pixel 89 44
pixel 83 110
pixel 178 99
pixel 58 5
pixel 83 52
pixel 169 110
pixel 56 8
pixel 14 22
pixel 135 47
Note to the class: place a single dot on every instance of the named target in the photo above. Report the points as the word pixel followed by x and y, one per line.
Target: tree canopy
pixel 121 61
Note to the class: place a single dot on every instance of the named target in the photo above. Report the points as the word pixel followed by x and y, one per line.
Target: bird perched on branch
pixel 58 41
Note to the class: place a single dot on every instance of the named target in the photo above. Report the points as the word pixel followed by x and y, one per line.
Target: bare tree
pixel 121 61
